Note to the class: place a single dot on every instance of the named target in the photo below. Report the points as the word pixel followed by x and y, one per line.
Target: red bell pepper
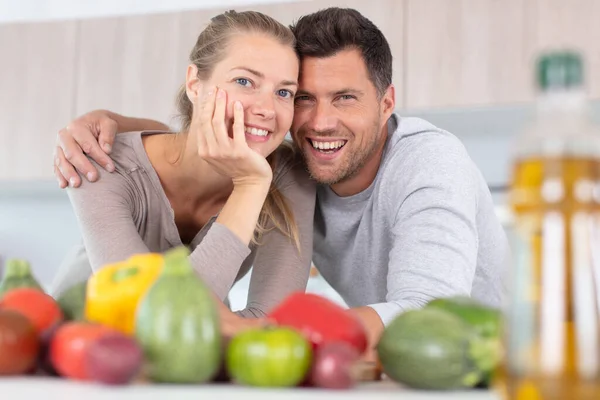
pixel 320 320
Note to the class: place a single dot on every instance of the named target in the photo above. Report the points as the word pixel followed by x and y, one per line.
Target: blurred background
pixel 464 65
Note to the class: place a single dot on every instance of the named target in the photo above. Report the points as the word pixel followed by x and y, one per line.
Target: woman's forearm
pixel 242 209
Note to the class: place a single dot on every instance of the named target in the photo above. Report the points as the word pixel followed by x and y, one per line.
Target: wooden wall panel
pixel 467 52
pixel 573 24
pixel 36 93
pixel 130 65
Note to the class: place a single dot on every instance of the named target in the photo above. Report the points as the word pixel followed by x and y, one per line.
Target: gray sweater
pixel 424 228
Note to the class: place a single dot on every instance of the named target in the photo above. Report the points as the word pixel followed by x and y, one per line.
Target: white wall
pixel 38 224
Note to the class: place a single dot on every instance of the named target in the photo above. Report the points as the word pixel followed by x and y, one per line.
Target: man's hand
pixel 92 134
pixel 374 328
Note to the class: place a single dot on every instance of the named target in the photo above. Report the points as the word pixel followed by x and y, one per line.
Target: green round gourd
pixel 177 325
pixel 487 321
pixel 17 274
pixel 429 349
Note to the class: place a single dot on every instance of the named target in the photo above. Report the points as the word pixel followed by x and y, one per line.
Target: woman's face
pixel 263 75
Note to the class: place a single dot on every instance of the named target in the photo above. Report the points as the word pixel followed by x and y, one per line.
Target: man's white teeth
pixel 256 131
pixel 328 145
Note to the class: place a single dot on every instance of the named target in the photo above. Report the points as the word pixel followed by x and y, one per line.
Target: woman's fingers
pixel 218 123
pixel 239 128
pixel 205 107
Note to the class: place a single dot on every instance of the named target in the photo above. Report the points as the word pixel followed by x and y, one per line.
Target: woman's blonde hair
pixel 210 49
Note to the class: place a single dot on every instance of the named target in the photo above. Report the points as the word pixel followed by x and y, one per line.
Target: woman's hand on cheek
pixel 231 157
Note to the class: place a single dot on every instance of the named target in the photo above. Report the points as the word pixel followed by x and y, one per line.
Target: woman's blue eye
pixel 243 81
pixel 284 93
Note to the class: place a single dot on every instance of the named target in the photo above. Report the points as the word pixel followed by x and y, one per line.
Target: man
pixel 403 215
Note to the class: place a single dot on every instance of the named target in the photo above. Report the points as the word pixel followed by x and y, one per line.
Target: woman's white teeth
pixel 328 145
pixel 256 131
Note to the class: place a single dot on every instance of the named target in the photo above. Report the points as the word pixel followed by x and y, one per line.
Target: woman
pixel 226 185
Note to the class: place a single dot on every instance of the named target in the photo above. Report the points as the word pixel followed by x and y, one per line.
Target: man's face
pixel 340 121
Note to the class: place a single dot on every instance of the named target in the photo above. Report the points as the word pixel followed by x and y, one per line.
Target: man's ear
pixel 388 101
pixel 193 85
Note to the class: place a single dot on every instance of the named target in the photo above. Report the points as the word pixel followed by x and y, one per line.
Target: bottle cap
pixel 559 70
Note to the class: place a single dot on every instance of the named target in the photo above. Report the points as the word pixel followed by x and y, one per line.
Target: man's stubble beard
pixel 352 163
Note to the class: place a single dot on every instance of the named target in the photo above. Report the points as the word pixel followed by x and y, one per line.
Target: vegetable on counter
pixel 44 365
pixel 113 359
pixel 69 347
pixel 320 320
pixel 432 349
pixel 19 343
pixel 17 274
pixel 40 308
pixel 177 325
pixel 72 302
pixel 269 357
pixel 487 321
pixel 114 292
pixel 333 366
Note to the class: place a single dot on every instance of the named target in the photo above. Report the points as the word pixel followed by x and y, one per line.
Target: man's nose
pixel 322 118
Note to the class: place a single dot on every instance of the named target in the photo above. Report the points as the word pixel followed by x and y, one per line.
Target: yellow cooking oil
pixel 552 329
pixel 555 321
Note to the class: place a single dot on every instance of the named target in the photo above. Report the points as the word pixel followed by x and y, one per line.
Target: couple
pixel 391 210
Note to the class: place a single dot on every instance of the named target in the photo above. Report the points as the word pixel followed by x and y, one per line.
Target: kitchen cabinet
pixel 467 53
pixel 571 24
pixel 131 65
pixel 36 93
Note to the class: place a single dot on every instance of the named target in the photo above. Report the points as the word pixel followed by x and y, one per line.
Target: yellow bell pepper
pixel 114 292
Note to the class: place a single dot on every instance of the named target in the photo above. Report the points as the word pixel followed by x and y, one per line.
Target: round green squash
pixel 487 321
pixel 17 274
pixel 269 357
pixel 177 325
pixel 430 349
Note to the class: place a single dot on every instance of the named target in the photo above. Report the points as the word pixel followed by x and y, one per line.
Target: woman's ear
pixel 192 83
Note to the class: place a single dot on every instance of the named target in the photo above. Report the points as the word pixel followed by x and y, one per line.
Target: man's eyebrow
pixel 336 93
pixel 261 75
pixel 347 91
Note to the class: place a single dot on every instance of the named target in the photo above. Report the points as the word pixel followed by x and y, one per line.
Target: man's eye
pixel 347 97
pixel 302 98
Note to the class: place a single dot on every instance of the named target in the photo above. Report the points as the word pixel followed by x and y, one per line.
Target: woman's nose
pixel 263 107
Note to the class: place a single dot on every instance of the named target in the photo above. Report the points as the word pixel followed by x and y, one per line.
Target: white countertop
pixel 61 389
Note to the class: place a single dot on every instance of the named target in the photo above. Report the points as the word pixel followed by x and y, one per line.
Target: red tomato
pixel 69 346
pixel 19 344
pixel 40 308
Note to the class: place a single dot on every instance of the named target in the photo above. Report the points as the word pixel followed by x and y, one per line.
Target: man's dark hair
pixel 331 30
